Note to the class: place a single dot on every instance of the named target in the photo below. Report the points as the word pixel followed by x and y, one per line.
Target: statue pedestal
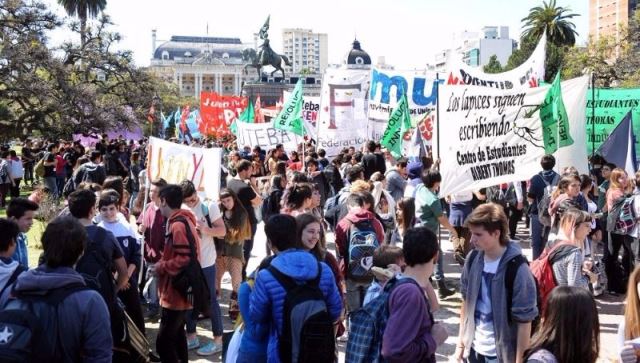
pixel 269 93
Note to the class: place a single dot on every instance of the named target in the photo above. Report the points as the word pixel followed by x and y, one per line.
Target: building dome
pixel 357 56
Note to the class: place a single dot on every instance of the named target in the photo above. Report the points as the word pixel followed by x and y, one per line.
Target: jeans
pixel 537 245
pixel 151 290
pixel 60 179
pixel 439 270
pixel 216 316
pixel 617 242
pixel 244 357
pixel 171 342
pixel 355 294
pixel 132 199
pixel 475 357
pixel 51 183
pixel 28 172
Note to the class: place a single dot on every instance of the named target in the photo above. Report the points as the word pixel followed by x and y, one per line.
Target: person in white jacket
pixel 16 171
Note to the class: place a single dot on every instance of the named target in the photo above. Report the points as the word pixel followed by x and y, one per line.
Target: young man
pixel 82 206
pixel 82 315
pixel 129 243
pixel 92 171
pixel 397 179
pixel 50 179
pixel 319 178
pixel 429 214
pixel 534 195
pixel 152 225
pixel 267 299
pixel 358 214
pixel 411 334
pixel 249 199
pixel 22 211
pixel 371 162
pixel 210 224
pixel 171 343
pixel 9 268
pixel 489 330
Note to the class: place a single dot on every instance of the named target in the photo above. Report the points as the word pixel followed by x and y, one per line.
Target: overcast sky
pixel 406 32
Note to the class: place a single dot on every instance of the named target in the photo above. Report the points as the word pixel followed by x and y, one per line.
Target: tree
pixel 493 66
pixel 83 9
pixel 555 20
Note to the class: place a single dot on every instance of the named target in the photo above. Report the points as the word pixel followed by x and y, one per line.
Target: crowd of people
pixel 122 246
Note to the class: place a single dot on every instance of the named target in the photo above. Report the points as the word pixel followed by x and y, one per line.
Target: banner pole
pixel 593 114
pixel 438 114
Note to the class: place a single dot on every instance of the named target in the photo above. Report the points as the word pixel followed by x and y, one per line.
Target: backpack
pixel 29 330
pixel 543 204
pixel 271 204
pixel 4 172
pixel 39 168
pixel 622 216
pixel 363 242
pixel 542 270
pixel 367 325
pixel 190 281
pixel 307 328
pixel 332 209
pixel 95 269
pixel 495 194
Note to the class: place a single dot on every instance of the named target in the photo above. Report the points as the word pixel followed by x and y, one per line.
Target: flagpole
pixel 593 114
pixel 438 114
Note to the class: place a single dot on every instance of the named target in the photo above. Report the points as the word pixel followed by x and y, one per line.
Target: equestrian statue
pixel 266 56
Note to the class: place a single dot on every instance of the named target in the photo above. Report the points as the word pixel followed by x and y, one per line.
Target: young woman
pixel 385 207
pixel 618 188
pixel 563 198
pixel 629 328
pixel 297 199
pixel 311 237
pixel 570 330
pixel 230 258
pixel 567 254
pixel 405 212
pixel 294 162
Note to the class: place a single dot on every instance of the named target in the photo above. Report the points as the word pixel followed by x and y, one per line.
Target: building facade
pixel 196 64
pixel 307 51
pixel 606 17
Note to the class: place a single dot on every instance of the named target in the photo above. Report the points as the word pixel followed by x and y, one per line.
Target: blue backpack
pixel 363 242
pixel 367 325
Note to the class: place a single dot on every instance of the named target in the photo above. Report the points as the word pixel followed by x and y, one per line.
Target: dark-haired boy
pixel 9 268
pixel 411 334
pixel 22 211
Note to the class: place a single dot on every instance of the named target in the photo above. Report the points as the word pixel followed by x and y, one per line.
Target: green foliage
pixel 555 20
pixel 493 66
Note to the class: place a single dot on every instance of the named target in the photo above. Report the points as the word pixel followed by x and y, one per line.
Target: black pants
pixel 131 300
pixel 515 216
pixel 15 190
pixel 171 342
pixel 615 277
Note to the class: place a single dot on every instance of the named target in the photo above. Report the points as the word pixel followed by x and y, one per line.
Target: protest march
pixel 357 212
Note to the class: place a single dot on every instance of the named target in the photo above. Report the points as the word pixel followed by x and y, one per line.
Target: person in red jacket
pixel 172 339
pixel 358 212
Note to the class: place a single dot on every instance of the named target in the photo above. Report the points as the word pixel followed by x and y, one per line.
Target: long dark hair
pixel 408 208
pixel 570 326
pixel 295 195
pixel 302 221
pixel 238 214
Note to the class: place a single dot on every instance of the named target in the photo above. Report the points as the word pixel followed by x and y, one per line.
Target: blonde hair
pixel 613 180
pixel 570 221
pixel 632 307
pixel 360 186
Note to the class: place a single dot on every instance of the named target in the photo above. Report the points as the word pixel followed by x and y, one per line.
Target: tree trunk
pixel 83 31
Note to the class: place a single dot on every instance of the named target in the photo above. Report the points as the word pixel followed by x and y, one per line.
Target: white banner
pixel 528 74
pixel 175 163
pixel 490 136
pixel 343 114
pixel 310 111
pixel 265 136
pixel 387 85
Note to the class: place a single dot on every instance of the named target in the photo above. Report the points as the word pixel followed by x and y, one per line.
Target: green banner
pixel 555 122
pixel 611 105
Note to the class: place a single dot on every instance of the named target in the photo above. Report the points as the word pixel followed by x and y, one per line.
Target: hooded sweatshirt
pixel 84 323
pixel 175 257
pixel 342 232
pixel 267 299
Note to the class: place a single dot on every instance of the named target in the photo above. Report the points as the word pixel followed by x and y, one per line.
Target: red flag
pixel 259 117
pixel 151 116
pixel 183 118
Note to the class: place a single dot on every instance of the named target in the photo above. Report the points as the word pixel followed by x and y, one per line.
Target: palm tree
pixel 83 9
pixel 555 20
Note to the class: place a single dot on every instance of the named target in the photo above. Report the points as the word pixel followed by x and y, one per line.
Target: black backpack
pixel 95 268
pixel 29 330
pixel 271 204
pixel 307 330
pixel 190 281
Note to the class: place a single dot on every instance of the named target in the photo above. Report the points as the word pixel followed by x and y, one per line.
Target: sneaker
pixel 193 343
pixel 210 349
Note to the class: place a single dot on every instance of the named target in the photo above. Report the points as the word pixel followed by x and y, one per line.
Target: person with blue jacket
pixel 267 299
pixel 83 319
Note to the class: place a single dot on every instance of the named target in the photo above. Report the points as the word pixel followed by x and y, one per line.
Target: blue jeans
pixel 151 290
pixel 537 245
pixel 244 357
pixel 51 182
pixel 216 316
pixel 475 357
pixel 439 270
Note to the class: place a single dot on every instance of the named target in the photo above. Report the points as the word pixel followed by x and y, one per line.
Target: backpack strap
pixel 190 237
pixel 14 276
pixel 205 213
pixel 509 280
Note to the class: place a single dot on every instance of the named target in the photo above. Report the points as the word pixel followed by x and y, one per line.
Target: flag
pixel 176 118
pixel 166 120
pixel 555 122
pixel 264 31
pixel 619 148
pixel 183 119
pixel 399 123
pixel 259 117
pixel 246 116
pixel 290 119
pixel 152 114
